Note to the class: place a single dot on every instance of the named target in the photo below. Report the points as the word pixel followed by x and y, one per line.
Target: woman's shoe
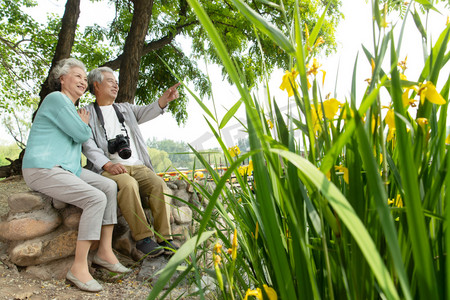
pixel 116 268
pixel 90 286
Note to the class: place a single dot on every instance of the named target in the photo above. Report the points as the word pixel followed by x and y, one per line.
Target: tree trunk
pixel 115 64
pixel 66 39
pixel 133 49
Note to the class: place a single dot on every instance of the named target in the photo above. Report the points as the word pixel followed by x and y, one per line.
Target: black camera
pixel 121 145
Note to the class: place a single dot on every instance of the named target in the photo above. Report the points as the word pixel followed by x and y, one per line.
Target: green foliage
pixel 181 156
pixel 160 160
pixel 177 152
pixel 8 151
pixel 154 74
pixel 357 206
pixel 24 50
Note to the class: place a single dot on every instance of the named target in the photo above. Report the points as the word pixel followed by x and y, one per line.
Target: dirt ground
pixel 15 284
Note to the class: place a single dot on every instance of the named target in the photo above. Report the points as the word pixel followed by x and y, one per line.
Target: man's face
pixel 109 87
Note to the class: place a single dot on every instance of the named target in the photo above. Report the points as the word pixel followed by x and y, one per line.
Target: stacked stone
pixel 41 233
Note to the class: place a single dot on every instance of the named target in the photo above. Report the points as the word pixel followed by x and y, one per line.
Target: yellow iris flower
pixel 390 122
pixel 256 231
pixel 391 134
pixel 288 82
pixel 217 262
pixel 315 116
pixel 271 293
pixel 422 122
pixel 234 246
pixel 250 168
pixel 405 97
pixel 331 108
pixel 314 68
pixel 428 91
pixel 246 169
pixel 319 42
pixel 344 170
pixel 390 119
pixel 217 248
pixel 398 202
pixel 234 151
pixel 447 140
pixel 375 123
pixel 324 73
pixel 402 64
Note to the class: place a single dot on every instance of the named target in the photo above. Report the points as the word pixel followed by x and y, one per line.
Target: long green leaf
pixel 185 250
pixel 415 218
pixel 266 27
pixel 230 114
pixel 418 23
pixel 272 226
pixel 348 217
pixel 377 189
pixel 316 30
pixel 427 5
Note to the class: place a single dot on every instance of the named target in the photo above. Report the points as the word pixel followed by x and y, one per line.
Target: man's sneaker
pixel 169 247
pixel 149 247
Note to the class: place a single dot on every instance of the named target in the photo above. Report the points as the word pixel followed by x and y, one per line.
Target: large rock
pixel 71 216
pixel 183 195
pixel 180 233
pixel 40 233
pixel 57 245
pixel 181 184
pixel 53 270
pixel 182 214
pixel 26 202
pixel 29 225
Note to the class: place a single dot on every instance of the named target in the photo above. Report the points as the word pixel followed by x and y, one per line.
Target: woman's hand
pixel 84 115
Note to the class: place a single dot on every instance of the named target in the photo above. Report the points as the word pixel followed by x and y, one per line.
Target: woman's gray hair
pixel 61 68
pixel 96 75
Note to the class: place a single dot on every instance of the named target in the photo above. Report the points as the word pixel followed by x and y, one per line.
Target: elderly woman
pixel 51 165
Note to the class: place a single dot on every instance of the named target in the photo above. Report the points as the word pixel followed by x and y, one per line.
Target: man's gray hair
pixel 61 68
pixel 96 75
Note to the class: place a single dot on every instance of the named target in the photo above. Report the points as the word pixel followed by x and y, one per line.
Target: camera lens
pixel 124 153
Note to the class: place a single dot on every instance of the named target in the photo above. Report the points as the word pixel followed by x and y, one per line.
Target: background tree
pixel 25 46
pixel 243 144
pixel 160 160
pixel 172 18
pixel 143 34
pixel 180 154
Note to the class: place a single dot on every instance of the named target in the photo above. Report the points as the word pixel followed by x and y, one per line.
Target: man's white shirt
pixel 113 127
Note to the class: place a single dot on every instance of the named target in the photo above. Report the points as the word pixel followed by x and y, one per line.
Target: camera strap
pixel 102 121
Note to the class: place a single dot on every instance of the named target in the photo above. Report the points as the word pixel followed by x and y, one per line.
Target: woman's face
pixel 74 83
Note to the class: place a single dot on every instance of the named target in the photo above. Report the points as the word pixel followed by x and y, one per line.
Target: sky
pixel 355 30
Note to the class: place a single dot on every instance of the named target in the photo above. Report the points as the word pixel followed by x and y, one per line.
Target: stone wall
pixel 41 234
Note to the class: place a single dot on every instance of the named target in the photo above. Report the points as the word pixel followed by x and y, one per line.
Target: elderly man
pixel 117 150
